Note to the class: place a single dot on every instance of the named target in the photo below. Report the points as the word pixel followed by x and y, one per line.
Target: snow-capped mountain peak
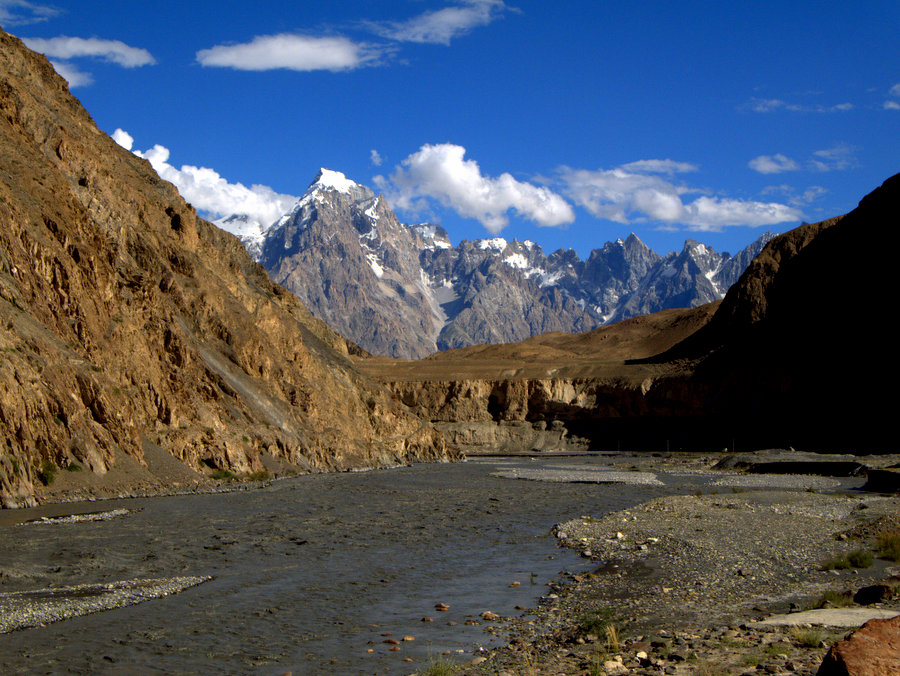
pixel 334 180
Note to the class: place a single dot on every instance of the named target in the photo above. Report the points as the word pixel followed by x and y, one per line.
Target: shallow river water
pixel 309 573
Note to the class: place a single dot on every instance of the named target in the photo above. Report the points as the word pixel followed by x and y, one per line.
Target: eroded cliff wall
pixel 127 320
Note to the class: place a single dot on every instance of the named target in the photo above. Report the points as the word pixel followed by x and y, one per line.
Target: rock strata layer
pixel 129 324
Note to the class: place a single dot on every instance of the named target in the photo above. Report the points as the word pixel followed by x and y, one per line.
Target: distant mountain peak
pixel 406 291
pixel 333 180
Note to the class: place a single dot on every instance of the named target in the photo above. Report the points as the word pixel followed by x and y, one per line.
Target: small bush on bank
pixel 889 546
pixel 861 558
pixel 597 622
pixel 47 473
pixel 439 666
pixel 808 637
pixel 835 599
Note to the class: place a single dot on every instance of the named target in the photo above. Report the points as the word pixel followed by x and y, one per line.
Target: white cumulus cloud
pixel 773 164
pixel 123 138
pixel 114 51
pixel 442 25
pixel 441 172
pixel 72 74
pixel 209 192
pixel 624 195
pixel 291 52
pixel 62 49
pixel 375 157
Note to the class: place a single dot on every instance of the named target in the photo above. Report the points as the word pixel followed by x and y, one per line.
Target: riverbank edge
pixel 644 569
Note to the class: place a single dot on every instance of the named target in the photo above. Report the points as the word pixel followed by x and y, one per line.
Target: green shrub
pixel 439 666
pixel 597 622
pixel 861 558
pixel 889 546
pixel 835 599
pixel 47 472
pixel 223 475
pixel 808 637
pixel 73 467
pixel 837 563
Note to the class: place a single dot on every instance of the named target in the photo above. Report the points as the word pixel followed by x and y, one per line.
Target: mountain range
pixel 406 291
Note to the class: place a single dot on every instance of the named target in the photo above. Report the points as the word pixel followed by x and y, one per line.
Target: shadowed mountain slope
pixel 799 353
pixel 129 325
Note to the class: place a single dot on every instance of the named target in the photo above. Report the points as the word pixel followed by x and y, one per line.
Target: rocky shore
pixel 685 584
pixel 21 610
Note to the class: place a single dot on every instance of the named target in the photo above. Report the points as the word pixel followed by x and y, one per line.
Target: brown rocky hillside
pixel 129 325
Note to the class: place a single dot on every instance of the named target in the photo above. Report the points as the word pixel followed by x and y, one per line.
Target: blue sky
pixel 569 123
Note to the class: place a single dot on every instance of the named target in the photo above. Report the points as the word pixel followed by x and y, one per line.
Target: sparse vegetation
pixel 73 467
pixel 598 622
pixel 258 476
pixel 859 558
pixel 752 659
pixel 889 546
pixel 223 475
pixel 705 668
pixel 439 666
pixel 808 637
pixel 835 599
pixel 47 473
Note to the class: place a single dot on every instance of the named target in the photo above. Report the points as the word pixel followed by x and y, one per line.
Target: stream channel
pixel 310 573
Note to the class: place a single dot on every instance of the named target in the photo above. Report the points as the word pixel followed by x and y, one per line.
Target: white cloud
pixel 802 199
pixel 770 105
pixel 206 190
pixel 894 93
pixel 114 51
pixel 21 12
pixel 71 74
pixel 375 157
pixel 442 25
pixel 123 138
pixel 660 167
pixel 621 195
pixel 837 158
pixel 440 172
pixel 291 52
pixel 773 164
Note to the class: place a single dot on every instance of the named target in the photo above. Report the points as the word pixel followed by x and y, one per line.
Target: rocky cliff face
pixel 405 291
pixel 127 323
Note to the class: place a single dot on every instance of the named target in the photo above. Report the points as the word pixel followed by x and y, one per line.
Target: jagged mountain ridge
pixel 138 340
pixel 405 291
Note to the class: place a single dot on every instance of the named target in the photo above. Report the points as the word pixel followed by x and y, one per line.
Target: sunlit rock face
pixel 128 323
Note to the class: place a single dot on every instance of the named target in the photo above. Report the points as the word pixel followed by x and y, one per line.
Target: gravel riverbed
pixel 682 578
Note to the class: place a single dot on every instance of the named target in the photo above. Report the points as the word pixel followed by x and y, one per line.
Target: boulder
pixel 872 650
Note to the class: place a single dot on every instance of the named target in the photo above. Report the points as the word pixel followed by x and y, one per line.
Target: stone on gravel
pixel 875 593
